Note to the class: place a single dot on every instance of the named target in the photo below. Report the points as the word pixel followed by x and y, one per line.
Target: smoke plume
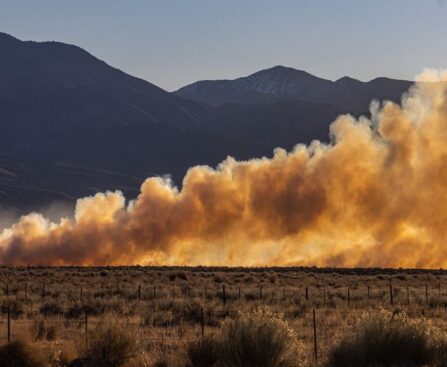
pixel 375 196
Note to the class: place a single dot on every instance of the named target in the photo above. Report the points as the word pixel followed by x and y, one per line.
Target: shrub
pixel 21 353
pixel 51 309
pixel 110 346
pixel 15 308
pixel 160 363
pixel 40 330
pixel 77 310
pixel 257 339
pixel 204 352
pixel 386 339
pixel 62 355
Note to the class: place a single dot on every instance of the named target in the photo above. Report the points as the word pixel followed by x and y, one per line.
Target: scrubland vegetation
pixel 222 317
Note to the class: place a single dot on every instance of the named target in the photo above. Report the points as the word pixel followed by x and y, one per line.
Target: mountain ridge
pixel 71 125
pixel 281 82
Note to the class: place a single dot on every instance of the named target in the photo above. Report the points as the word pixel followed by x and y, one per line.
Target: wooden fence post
pixel 391 295
pixel 224 296
pixel 349 297
pixel 315 337
pixel 9 324
pixel 86 328
pixel 43 290
pixel 307 293
pixel 139 291
pixel 202 322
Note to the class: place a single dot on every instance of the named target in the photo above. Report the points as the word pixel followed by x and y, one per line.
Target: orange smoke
pixel 375 196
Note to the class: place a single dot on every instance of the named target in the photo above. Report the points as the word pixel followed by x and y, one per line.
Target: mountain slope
pixel 61 107
pixel 280 124
pixel 50 69
pixel 71 125
pixel 283 83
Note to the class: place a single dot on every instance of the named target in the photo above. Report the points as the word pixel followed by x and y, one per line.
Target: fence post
pixel 202 322
pixel 349 297
pixel 260 293
pixel 43 290
pixel 239 292
pixel 139 291
pixel 391 295
pixel 9 324
pixel 368 293
pixel 426 293
pixel 315 337
pixel 224 296
pixel 307 293
pixel 86 328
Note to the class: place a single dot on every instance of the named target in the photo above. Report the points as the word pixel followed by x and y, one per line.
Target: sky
pixel 172 43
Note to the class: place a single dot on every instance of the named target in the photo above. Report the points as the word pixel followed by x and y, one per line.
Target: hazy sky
pixel 175 42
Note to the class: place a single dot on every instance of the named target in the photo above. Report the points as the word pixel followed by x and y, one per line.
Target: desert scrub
pixel 22 353
pixel 109 346
pixel 383 338
pixel 255 339
pixel 203 352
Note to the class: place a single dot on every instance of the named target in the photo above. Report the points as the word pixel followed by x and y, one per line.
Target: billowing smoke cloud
pixel 375 196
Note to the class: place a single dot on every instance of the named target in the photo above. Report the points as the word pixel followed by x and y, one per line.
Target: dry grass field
pixel 165 309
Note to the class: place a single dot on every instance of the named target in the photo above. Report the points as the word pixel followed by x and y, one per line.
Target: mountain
pixel 49 70
pixel 71 125
pixel 284 83
pixel 280 124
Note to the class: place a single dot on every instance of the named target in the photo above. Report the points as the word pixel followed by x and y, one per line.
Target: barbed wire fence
pixel 318 324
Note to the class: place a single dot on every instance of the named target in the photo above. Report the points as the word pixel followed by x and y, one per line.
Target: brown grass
pixel 168 314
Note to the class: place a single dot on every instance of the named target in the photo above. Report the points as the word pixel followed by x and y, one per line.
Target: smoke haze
pixel 375 196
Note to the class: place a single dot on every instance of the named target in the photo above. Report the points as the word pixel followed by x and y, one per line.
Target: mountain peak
pixel 281 82
pixel 260 87
pixel 286 71
pixel 346 80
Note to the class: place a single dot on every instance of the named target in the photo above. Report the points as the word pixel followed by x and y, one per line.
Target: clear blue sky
pixel 175 42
